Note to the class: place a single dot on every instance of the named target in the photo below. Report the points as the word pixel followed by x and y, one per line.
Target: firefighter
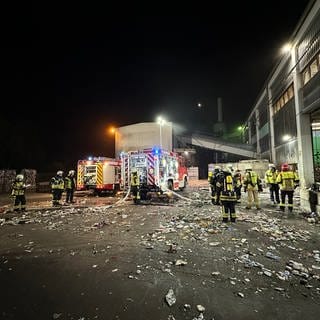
pixel 237 178
pixel 228 196
pixel 57 187
pixel 288 181
pixel 252 185
pixel 215 186
pixel 70 185
pixel 313 198
pixel 211 185
pixel 214 190
pixel 135 185
pixel 18 193
pixel 270 178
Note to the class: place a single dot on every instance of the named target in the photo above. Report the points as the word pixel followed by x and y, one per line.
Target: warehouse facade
pixel 284 124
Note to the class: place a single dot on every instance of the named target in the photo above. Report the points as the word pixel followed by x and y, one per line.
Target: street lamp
pixel 286 48
pixel 111 131
pixel 161 122
pixel 286 138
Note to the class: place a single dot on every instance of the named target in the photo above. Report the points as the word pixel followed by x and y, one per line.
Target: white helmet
pixel 71 173
pixel 248 167
pixel 19 177
pixel 134 170
pixel 271 165
pixel 59 173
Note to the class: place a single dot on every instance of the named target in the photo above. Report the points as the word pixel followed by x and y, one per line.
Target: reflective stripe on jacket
pixel 287 180
pixel 18 188
pixel 57 183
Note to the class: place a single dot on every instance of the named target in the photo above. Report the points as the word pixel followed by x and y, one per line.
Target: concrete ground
pixel 107 259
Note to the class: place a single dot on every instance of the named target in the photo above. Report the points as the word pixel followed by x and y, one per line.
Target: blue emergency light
pixel 156 151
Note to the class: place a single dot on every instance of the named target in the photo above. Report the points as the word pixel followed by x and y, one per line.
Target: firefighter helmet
pixel 134 170
pixel 19 177
pixel 71 173
pixel 271 165
pixel 248 167
pixel 59 173
pixel 285 167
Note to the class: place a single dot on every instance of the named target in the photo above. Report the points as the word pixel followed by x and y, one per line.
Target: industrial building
pixel 284 124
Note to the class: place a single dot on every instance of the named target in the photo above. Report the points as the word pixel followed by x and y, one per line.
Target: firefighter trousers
pixel 228 208
pixel 274 192
pixel 285 194
pixel 136 194
pixel 69 194
pixel 19 203
pixel 56 196
pixel 253 196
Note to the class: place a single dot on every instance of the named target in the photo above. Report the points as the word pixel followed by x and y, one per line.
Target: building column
pixel 258 133
pixel 271 127
pixel 304 137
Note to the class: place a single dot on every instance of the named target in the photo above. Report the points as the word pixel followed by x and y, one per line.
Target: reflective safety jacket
pixel 57 183
pixel 271 176
pixel 251 180
pixel 287 180
pixel 69 182
pixel 135 179
pixel 18 188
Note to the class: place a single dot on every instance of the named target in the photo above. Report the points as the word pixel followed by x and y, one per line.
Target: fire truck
pixel 158 170
pixel 100 174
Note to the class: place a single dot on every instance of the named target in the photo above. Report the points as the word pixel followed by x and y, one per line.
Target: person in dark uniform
pixel 57 187
pixel 70 185
pixel 18 193
pixel 228 196
pixel 135 185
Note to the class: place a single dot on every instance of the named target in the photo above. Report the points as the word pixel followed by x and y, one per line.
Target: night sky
pixel 87 67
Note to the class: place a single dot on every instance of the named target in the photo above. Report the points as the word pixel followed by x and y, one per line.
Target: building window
pixel 314 68
pixel 290 92
pixel 311 70
pixel 283 100
pixel 286 97
pixel 306 76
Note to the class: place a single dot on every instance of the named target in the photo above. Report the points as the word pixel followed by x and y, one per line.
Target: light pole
pixel 161 122
pixel 111 131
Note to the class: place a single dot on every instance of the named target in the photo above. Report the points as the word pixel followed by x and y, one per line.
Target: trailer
pixel 100 174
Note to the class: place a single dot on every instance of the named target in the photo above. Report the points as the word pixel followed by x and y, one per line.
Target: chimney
pixel 219 109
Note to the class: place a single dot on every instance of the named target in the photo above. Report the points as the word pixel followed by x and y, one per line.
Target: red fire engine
pixel 100 174
pixel 157 169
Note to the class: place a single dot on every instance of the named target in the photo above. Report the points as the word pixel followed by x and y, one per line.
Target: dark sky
pixel 88 66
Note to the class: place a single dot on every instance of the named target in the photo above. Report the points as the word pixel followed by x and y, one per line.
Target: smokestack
pixel 219 109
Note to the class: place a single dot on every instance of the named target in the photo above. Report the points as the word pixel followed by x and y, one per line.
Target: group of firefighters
pixel 58 183
pixel 226 185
